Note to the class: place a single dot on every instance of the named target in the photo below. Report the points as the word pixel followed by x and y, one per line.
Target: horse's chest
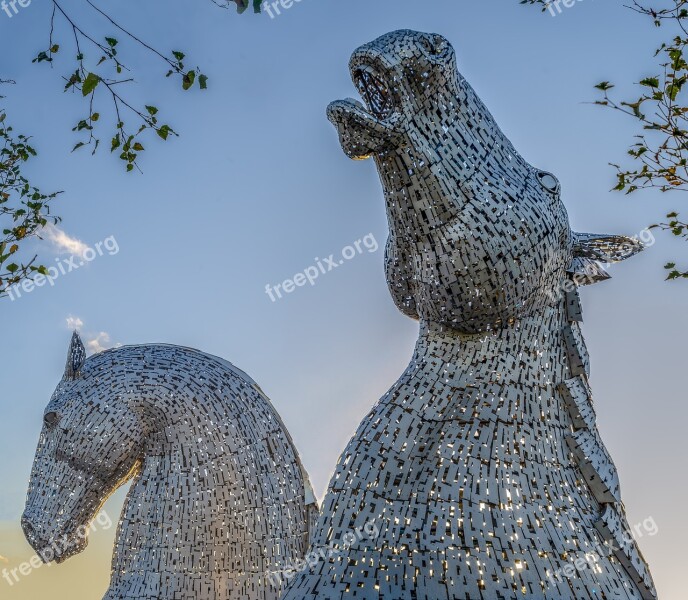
pixel 451 431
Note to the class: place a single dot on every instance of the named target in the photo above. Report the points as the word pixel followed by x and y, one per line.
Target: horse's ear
pixel 605 248
pixel 75 358
pixel 592 250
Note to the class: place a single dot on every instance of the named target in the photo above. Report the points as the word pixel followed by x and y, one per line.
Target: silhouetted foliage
pixel 24 209
pixel 659 153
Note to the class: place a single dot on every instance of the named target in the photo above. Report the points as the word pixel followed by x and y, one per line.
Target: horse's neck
pixel 544 350
pixel 185 470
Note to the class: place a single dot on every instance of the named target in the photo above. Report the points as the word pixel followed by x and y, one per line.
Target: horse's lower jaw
pixel 362 134
pixel 61 549
pixel 72 551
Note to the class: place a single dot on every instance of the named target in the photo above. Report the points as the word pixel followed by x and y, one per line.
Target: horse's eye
pixel 51 419
pixel 549 182
pixel 434 46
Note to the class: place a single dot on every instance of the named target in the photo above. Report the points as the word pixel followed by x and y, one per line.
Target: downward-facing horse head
pixel 219 498
pixel 482 467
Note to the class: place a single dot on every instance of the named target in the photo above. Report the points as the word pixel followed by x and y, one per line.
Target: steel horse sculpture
pixel 482 467
pixel 219 496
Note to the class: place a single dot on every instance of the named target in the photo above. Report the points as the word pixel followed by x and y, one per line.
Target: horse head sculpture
pixel 219 498
pixel 482 467
pixel 478 236
pixel 87 449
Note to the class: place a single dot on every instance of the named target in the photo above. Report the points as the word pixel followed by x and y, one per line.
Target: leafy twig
pixel 24 209
pixel 91 79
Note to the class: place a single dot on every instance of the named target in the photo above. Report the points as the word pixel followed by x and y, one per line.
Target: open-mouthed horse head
pixel 478 236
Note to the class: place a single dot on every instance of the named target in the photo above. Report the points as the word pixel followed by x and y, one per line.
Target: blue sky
pixel 257 187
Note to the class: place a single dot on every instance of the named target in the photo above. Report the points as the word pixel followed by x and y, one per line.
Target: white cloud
pixel 62 241
pixel 98 343
pixel 74 323
pixel 94 342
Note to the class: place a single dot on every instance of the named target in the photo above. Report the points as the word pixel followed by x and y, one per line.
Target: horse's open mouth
pixel 374 91
pixel 371 128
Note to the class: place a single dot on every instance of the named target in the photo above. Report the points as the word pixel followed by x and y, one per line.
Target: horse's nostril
pixel 51 419
pixel 29 531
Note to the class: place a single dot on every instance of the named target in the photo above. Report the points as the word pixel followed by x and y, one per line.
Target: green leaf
pixel 90 83
pixel 242 5
pixel 188 80
pixel 652 82
pixel 42 56
pixel 73 80
pixel 604 86
pixel 203 81
pixel 635 107
pixel 164 131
